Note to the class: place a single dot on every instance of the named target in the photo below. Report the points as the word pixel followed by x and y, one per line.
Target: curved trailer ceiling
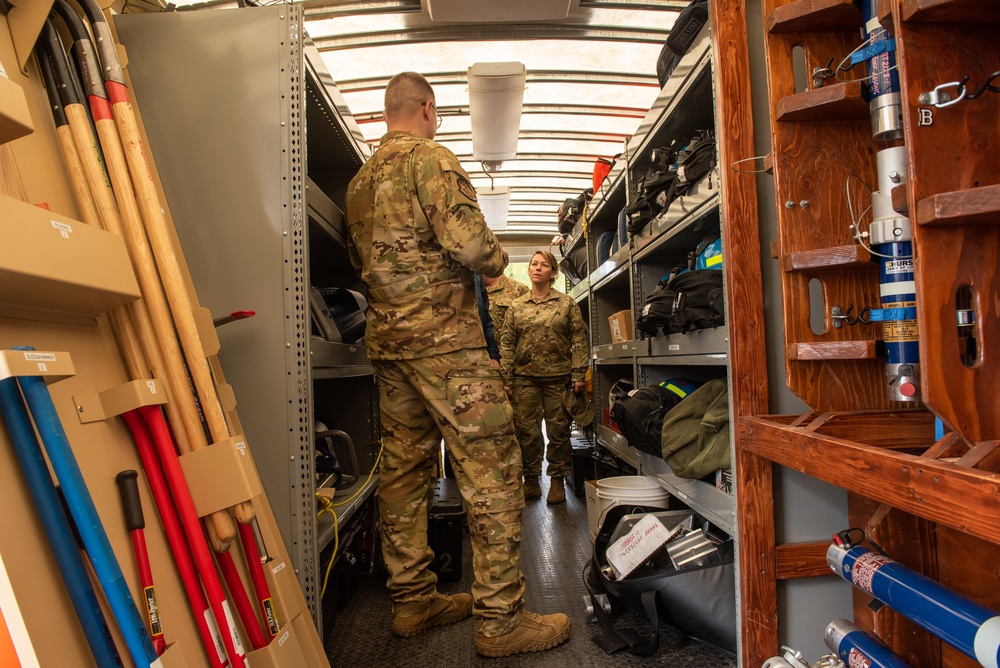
pixel 591 77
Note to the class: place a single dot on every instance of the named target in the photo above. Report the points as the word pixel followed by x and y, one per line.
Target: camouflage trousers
pixel 533 399
pixel 459 397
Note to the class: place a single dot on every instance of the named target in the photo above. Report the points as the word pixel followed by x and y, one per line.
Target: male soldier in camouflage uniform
pixel 543 346
pixel 417 236
pixel 502 290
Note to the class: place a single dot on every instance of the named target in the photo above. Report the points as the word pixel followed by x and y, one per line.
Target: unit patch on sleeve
pixel 466 188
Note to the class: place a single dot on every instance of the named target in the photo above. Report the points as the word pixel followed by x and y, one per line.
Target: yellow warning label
pixel 902 331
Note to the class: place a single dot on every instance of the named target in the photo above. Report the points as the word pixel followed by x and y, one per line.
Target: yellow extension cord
pixel 327 506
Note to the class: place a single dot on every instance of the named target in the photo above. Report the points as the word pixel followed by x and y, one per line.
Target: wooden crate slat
pixel 927 488
pixel 978 206
pixel 833 350
pixel 814 16
pixel 834 102
pixel 961 11
pixel 802 560
pixel 840 257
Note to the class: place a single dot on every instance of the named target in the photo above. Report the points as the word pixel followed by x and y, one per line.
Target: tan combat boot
pixel 533 633
pixel 532 490
pixel 557 492
pixel 443 610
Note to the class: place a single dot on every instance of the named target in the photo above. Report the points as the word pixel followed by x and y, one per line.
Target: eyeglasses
pixel 436 114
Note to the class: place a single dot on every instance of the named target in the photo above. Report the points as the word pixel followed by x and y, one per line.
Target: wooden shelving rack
pixel 944 520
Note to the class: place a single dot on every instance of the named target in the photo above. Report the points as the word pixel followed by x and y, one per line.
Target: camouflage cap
pixel 579 406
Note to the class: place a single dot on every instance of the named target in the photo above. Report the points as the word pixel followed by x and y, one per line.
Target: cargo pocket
pixel 496 515
pixel 479 403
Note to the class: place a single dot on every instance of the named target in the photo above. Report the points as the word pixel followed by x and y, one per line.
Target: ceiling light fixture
pixel 496 95
pixel 495 203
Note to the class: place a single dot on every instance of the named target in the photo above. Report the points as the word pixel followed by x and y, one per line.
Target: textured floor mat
pixel 555 549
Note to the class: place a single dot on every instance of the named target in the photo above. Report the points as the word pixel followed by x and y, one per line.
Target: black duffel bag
pixel 700 602
pixel 640 417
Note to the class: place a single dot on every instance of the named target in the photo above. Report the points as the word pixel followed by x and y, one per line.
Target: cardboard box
pixel 49 262
pixel 621 326
pixel 15 119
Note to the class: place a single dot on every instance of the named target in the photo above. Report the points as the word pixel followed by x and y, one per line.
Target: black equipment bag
pixel 686 28
pixel 640 417
pixel 574 264
pixel 571 211
pixel 605 242
pixel 699 302
pixel 682 302
pixel 699 602
pixel 694 161
pixel 655 192
pixel 659 306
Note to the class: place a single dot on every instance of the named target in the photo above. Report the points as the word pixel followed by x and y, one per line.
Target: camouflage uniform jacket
pixel 542 338
pixel 416 234
pixel 501 295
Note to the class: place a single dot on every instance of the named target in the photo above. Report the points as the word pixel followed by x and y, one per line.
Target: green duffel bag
pixel 695 435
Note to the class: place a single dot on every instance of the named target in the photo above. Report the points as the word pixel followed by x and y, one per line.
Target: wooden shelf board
pixel 836 102
pixel 801 560
pixel 922 487
pixel 814 16
pixel 976 206
pixel 899 430
pixel 838 257
pixel 900 201
pixel 950 11
pixel 831 350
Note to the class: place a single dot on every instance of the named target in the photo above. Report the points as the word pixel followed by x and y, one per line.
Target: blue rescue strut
pixel 961 622
pixel 858 648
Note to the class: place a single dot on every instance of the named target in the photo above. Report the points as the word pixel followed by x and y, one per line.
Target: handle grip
pixel 131 502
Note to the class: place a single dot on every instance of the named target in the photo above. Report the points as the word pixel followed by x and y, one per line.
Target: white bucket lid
pixel 629 483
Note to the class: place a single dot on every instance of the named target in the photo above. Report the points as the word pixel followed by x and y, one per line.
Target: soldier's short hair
pixel 551 259
pixel 405 93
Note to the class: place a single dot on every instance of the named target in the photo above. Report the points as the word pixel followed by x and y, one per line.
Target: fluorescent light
pixel 494 203
pixel 496 94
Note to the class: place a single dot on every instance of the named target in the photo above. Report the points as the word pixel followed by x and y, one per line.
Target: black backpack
pixel 694 161
pixel 686 28
pixel 659 306
pixel 640 417
pixel 572 209
pixel 698 303
pixel 682 302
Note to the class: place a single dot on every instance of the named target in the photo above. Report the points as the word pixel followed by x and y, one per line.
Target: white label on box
pixel 63 228
pixel 674 346
pixel 646 537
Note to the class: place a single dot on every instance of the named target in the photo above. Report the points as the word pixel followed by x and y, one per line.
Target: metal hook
pixel 752 171
pixel 821 73
pixel 840 316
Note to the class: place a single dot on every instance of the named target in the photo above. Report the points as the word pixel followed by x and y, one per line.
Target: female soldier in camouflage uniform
pixel 543 346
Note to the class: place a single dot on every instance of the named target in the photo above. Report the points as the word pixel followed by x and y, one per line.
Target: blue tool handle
pixel 88 522
pixel 57 527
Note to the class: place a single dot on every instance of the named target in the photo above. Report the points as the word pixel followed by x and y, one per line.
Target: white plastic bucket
pixel 624 490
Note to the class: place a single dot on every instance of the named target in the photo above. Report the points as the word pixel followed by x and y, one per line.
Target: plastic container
pixel 622 491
